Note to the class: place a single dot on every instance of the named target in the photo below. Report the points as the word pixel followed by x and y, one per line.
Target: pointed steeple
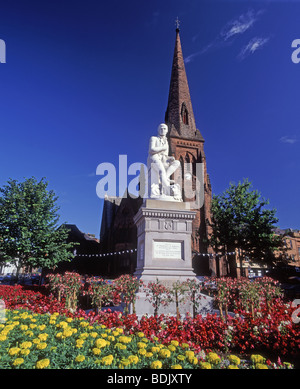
pixel 179 114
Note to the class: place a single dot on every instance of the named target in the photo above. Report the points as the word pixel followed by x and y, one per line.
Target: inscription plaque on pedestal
pixel 165 250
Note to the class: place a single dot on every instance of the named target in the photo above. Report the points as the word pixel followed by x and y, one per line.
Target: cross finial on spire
pixel 177 23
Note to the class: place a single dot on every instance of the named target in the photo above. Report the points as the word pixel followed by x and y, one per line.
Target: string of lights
pixel 131 251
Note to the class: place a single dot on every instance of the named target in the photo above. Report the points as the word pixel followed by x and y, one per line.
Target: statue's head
pixel 162 129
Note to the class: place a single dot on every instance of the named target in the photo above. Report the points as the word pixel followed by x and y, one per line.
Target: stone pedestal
pixel 164 231
pixel 164 251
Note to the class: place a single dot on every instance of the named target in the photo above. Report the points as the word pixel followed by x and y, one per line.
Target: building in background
pixel 291 251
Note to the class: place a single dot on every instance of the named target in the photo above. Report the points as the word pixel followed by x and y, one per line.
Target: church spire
pixel 179 114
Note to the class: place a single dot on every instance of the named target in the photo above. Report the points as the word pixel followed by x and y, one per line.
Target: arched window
pixel 184 114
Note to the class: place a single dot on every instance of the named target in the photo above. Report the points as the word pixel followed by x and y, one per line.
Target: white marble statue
pixel 160 168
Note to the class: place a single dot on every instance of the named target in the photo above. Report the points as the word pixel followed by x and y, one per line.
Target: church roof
pixel 179 114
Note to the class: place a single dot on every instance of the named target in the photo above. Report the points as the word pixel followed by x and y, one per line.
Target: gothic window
pixel 184 114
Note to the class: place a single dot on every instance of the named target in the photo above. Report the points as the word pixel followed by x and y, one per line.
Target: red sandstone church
pixel 118 231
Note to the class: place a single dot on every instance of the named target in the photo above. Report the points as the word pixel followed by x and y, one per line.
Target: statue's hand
pixel 171 159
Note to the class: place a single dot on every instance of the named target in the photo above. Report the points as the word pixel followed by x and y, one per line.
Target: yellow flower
pixel 58 335
pixel 62 324
pixel 96 351
pixel 32 326
pixel 213 358
pixel 165 353
pixel 171 347
pixel 79 343
pixel 124 339
pixel 148 354
pixel 14 351
pixel 42 327
pixel 260 366
pixel 29 333
pixel 84 335
pixel 155 349
pixel 192 360
pixel 3 338
pixel 181 357
pixel 189 354
pixel 43 336
pixel 133 359
pixel 107 360
pixel 125 362
pixel 18 361
pixel 256 358
pixel 80 358
pixel 234 359
pixel 25 351
pixel 23 327
pixel 26 345
pixel 111 338
pixel 100 343
pixel 84 324
pixel 41 346
pixel 120 346
pixel 205 365
pixel 176 367
pixel 140 334
pixel 93 334
pixel 185 345
pixel 156 365
pixel 141 345
pixel 42 363
pixel 175 343
pixel 232 367
pixel 142 351
pixel 69 320
pixel 67 333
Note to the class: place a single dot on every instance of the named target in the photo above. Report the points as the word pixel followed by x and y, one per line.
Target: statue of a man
pixel 161 166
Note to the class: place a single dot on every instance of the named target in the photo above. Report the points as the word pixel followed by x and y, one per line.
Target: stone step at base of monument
pixel 166 276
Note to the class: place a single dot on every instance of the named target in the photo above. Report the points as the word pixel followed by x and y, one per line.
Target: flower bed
pixel 31 340
pixel 268 330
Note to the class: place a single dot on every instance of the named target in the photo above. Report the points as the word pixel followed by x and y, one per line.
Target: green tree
pixel 29 229
pixel 241 221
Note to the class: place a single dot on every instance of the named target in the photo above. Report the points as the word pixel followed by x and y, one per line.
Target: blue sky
pixel 86 81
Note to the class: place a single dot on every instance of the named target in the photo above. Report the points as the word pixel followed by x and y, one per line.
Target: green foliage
pixel 240 220
pixel 29 225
